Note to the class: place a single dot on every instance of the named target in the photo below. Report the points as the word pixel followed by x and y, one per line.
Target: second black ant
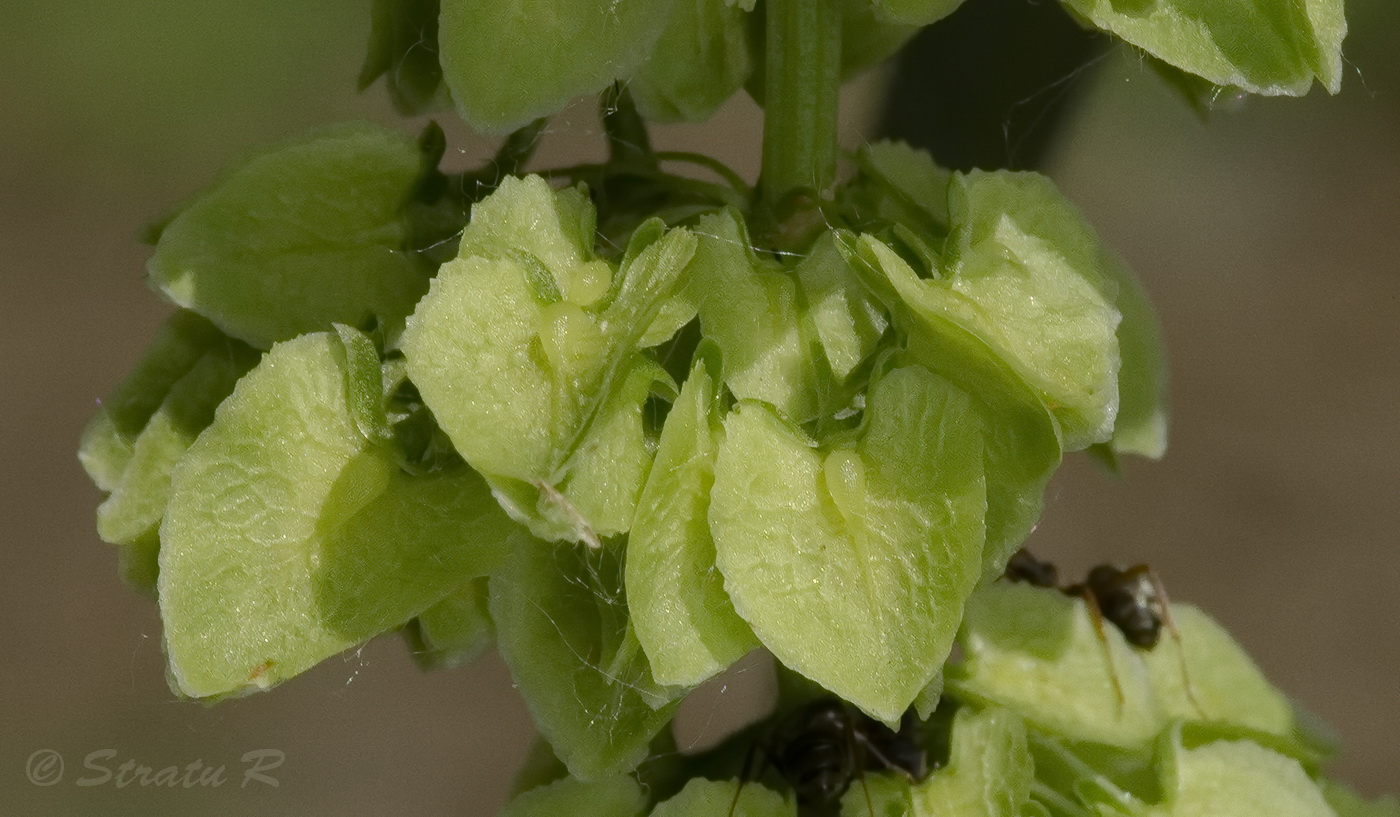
pixel 1133 600
pixel 820 748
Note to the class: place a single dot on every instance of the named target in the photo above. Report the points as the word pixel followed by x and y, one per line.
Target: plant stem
pixel 803 76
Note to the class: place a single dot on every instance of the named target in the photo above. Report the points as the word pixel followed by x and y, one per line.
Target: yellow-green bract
pixel 1039 653
pixel 528 349
pixel 290 535
pixel 870 544
pixel 299 237
pixel 507 63
pixel 1264 47
pixel 563 629
pixel 675 594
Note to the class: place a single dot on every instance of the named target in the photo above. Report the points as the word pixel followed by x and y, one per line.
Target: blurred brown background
pixel 1266 235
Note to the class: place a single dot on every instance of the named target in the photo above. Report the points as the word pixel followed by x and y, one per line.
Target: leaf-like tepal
pixel 701 59
pixel 298 238
pixel 618 796
pixel 109 439
pixel 562 628
pixel 528 350
pixel 509 63
pixel 1239 778
pixel 1264 47
pixel 290 535
pixel 989 772
pixel 852 562
pixel 683 618
pixel 1038 652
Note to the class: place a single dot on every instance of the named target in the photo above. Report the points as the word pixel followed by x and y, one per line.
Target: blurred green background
pixel 1267 236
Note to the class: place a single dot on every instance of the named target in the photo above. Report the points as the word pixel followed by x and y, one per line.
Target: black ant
pixel 819 748
pixel 1133 600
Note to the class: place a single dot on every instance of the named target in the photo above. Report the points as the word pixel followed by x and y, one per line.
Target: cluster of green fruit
pixel 633 429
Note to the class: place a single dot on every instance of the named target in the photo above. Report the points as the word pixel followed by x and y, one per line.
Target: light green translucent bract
pixel 915 12
pixel 847 322
pixel 1037 651
pixel 1238 778
pixel 749 309
pixel 1024 274
pixel 874 542
pixel 701 59
pixel 1022 447
pixel 507 63
pixel 108 441
pixel 528 351
pixel 618 796
pixel 989 771
pixel 562 628
pixel 1141 425
pixel 712 798
pixel 137 502
pixel 1348 803
pixel 456 630
pixel 1225 683
pixel 298 238
pixel 1261 46
pixel 290 536
pixel 682 616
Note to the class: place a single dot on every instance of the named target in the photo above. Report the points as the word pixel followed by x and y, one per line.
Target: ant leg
pixel 745 775
pixel 1092 602
pixel 1176 637
pixel 855 754
pixel 869 804
pixel 890 765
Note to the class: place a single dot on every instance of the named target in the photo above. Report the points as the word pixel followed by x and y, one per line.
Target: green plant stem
pixel 803 77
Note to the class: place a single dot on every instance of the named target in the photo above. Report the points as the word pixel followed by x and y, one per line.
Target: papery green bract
pixel 1348 803
pixel 403 48
pixel 455 631
pixel 137 502
pixel 291 536
pixel 700 61
pixel 989 771
pixel 1261 46
pixel 749 309
pixel 618 796
pixel 1024 274
pixel 109 440
pixel 847 321
pixel 1022 444
pixel 562 627
pixel 507 63
pixel 528 351
pixel 1141 425
pixel 915 12
pixel 1038 653
pixel 712 798
pixel 889 797
pixel 870 545
pixel 1238 778
pixel 682 616
pixel 298 238
pixel 606 473
pixel 902 185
